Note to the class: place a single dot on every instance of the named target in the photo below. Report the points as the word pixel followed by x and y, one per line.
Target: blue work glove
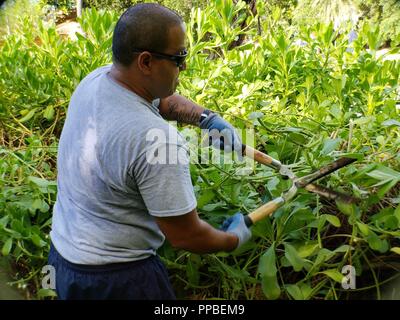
pixel 237 226
pixel 222 135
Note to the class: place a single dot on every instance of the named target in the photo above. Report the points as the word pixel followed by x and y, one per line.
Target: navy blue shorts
pixel 137 280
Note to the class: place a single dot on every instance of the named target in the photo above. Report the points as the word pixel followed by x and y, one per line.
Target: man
pixel 114 205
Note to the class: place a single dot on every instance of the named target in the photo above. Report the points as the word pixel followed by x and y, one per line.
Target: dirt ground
pixel 7 292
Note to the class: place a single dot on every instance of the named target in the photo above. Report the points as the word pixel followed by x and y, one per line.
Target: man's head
pixel 149 40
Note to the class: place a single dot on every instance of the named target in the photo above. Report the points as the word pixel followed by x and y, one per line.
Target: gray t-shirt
pixel 112 180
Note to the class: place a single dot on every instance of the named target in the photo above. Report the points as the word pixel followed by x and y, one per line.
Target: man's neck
pixel 128 83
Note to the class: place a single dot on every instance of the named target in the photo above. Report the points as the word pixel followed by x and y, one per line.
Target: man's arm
pixel 190 233
pixel 180 109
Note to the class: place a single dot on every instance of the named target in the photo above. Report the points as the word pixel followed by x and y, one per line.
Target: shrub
pixel 310 96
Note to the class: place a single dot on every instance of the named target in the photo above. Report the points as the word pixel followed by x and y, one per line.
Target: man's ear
pixel 144 62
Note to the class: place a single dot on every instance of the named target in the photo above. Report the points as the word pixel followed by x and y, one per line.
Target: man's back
pixel 102 212
pixel 123 172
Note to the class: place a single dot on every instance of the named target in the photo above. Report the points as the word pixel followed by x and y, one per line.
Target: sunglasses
pixel 179 59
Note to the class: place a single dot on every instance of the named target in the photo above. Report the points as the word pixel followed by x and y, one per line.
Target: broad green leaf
pixel 192 272
pixel 24 112
pixel 336 111
pixel 361 173
pixel 358 156
pixel 37 241
pixel 42 183
pixel 386 187
pixel 317 223
pixel 5 251
pixel 285 262
pixel 384 174
pixel 364 120
pixel 17 225
pixel 329 33
pixel 255 115
pixel 363 228
pixel 391 223
pixel 307 250
pixel 300 291
pixel 236 192
pixel 46 293
pixel 397 214
pixel 391 122
pixel 293 257
pixel 281 42
pixel 301 98
pixel 205 197
pixel 323 255
pixel 382 215
pixel 28 116
pixel 270 287
pixel 294 291
pixel 333 220
pixel 4 221
pixel 213 206
pixel 330 145
pixel 325 103
pixel 37 204
pixel 276 13
pixel 297 137
pixel 349 209
pixel 395 250
pixel 377 244
pixel 263 228
pixel 235 272
pixel 343 248
pixel 267 263
pixel 306 290
pixel 381 140
pixel 292 129
pixel 334 274
pixel 48 113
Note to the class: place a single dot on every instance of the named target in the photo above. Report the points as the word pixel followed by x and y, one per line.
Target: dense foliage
pixel 181 6
pixel 386 13
pixel 309 94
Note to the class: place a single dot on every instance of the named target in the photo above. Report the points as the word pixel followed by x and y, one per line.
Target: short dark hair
pixel 143 26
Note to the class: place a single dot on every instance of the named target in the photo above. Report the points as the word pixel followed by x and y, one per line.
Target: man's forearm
pixel 180 109
pixel 190 233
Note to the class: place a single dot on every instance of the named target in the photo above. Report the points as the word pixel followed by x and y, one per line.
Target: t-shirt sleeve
pixel 162 176
pixel 156 103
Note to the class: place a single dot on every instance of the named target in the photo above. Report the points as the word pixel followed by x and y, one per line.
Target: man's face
pixel 167 72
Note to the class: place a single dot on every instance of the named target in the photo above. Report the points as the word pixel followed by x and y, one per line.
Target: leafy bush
pixel 181 6
pixel 310 96
pixel 386 14
pixel 309 102
pixel 28 189
pixel 39 72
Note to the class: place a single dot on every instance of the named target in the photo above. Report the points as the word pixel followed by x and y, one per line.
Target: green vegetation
pixel 385 13
pixel 181 6
pixel 310 95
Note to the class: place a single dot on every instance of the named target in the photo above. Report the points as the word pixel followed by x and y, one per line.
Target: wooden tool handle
pixel 263 211
pixel 257 155
pixel 260 157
